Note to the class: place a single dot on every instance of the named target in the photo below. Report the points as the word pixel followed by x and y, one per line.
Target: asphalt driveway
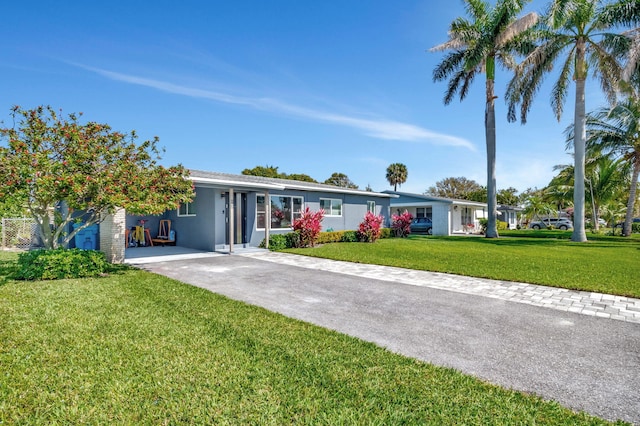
pixel 585 363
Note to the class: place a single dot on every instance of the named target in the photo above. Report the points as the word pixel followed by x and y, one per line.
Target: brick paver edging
pixel 580 302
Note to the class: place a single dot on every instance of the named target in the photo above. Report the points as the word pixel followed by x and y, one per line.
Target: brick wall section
pixel 112 242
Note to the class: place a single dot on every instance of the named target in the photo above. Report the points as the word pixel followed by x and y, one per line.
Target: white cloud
pixel 379 128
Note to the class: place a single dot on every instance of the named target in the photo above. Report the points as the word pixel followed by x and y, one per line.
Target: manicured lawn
pixel 137 348
pixel 604 264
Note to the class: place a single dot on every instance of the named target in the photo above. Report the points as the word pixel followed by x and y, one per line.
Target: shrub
pixel 349 237
pixel 500 225
pixel 330 237
pixel 293 239
pixel 308 226
pixel 385 233
pixel 369 229
pixel 61 263
pixel 483 225
pixel 276 242
pixel 401 224
pixel 635 228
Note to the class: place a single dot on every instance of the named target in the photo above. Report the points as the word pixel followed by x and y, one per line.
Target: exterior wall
pixel 112 242
pixel 354 208
pixel 151 223
pixel 510 217
pixel 442 218
pixel 198 232
pixel 473 215
pixel 456 219
pixel 207 229
pixel 195 232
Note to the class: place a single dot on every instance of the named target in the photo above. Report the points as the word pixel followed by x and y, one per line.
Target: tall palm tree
pixel 576 32
pixel 397 174
pixel 617 131
pixel 493 35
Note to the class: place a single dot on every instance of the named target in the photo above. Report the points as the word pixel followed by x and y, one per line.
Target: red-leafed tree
pixel 369 229
pixel 308 226
pixel 401 224
pixel 67 171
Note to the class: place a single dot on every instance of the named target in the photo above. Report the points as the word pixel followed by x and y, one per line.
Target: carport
pixel 143 255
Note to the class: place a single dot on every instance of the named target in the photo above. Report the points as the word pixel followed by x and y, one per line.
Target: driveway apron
pixel 586 363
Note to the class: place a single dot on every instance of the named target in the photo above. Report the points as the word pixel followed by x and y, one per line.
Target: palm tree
pixel 575 31
pixel 559 191
pixel 397 174
pixel 535 205
pixel 617 131
pixel 605 177
pixel 493 36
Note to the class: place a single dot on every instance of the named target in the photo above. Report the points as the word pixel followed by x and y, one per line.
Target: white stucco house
pixel 449 216
pixel 509 214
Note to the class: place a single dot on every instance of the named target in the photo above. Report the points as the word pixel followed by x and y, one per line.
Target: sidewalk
pixel 601 305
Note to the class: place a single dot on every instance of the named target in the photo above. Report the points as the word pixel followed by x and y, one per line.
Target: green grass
pixel 604 264
pixel 137 348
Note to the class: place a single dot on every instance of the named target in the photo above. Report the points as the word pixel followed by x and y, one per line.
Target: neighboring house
pixel 448 215
pixel 240 210
pixel 509 214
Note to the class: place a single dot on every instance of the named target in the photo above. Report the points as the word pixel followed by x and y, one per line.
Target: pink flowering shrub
pixel 369 229
pixel 308 226
pixel 401 224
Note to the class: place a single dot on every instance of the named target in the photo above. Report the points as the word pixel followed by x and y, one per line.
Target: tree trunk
pixel 490 133
pixel 579 234
pixel 579 142
pixel 41 216
pixel 626 229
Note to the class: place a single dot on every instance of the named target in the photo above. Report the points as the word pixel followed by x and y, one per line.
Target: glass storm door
pixel 239 231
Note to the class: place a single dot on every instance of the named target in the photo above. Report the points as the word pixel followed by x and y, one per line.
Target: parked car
pixel 634 220
pixel 557 222
pixel 421 225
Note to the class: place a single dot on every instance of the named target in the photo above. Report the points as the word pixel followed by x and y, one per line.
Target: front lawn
pixel 138 348
pixel 604 264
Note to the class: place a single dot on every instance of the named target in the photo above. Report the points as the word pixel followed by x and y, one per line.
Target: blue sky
pixel 310 87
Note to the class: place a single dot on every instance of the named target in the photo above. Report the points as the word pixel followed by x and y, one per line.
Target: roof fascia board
pixel 230 183
pixel 340 190
pixel 260 185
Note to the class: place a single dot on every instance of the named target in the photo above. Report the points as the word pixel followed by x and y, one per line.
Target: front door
pixel 239 231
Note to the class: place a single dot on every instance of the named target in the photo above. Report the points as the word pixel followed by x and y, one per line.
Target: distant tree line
pixel 336 179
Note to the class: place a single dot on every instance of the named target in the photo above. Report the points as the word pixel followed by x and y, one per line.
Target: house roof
pixel 507 207
pixel 226 180
pixel 422 198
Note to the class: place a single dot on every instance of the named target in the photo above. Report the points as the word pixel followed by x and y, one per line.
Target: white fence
pixel 19 233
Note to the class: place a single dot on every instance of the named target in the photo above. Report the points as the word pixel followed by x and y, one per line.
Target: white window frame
pixel 371 207
pixel 188 207
pixel 329 212
pixel 427 212
pixel 294 214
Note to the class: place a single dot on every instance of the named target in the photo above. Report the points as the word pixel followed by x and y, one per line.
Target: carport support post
pixel 267 219
pixel 231 216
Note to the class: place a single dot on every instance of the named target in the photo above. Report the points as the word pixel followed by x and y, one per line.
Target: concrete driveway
pixel 584 362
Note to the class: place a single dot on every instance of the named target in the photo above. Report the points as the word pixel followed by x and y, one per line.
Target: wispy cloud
pixel 378 128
